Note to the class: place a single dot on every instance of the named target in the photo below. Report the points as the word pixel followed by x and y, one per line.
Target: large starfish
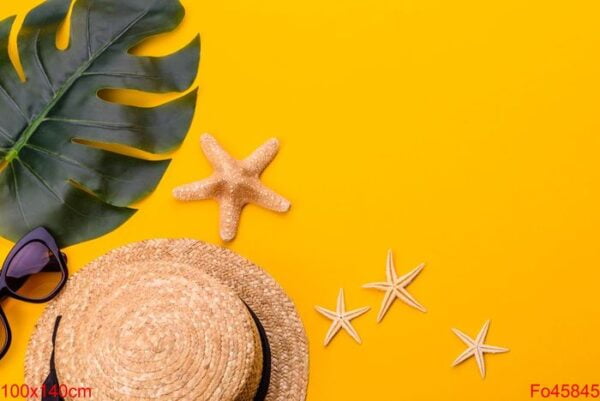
pixel 395 287
pixel 477 348
pixel 341 319
pixel 234 183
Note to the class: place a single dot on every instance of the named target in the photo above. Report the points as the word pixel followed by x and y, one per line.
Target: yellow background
pixel 463 134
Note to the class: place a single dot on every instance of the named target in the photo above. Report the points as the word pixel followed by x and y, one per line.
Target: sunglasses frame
pixel 42 235
pixel 8 339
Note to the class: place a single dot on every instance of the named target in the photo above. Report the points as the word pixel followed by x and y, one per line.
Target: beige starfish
pixel 477 348
pixel 395 287
pixel 234 183
pixel 341 319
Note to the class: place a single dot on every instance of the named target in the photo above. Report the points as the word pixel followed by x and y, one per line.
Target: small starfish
pixel 341 319
pixel 234 183
pixel 477 348
pixel 395 287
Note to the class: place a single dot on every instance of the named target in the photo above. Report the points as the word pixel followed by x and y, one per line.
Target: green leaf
pixel 53 175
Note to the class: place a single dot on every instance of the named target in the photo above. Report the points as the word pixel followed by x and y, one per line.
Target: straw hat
pixel 173 320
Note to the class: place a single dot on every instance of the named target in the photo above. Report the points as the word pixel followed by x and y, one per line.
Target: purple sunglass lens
pixel 34 272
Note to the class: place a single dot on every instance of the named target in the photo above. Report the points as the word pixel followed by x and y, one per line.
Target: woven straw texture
pixel 164 320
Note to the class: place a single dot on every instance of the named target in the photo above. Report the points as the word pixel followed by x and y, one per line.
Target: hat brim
pixel 263 295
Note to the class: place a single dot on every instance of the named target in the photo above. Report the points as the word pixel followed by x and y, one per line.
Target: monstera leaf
pixel 54 126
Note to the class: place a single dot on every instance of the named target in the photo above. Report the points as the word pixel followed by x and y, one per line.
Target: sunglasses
pixel 34 271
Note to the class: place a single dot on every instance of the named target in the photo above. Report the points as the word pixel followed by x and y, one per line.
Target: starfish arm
pixel 409 277
pixel 350 329
pixel 378 286
pixel 270 199
pixel 388 300
pixel 230 218
pixel 480 362
pixel 215 154
pixel 341 303
pixel 464 356
pixel 465 338
pixel 482 333
pixel 390 270
pixel 353 314
pixel 326 312
pixel 333 330
pixel 260 159
pixel 198 190
pixel 493 349
pixel 408 299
